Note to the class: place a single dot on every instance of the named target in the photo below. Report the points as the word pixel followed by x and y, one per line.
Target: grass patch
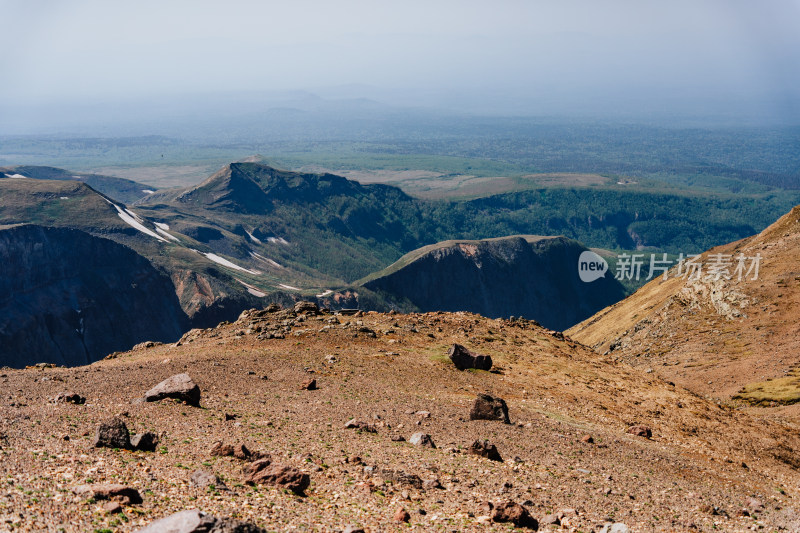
pixel 781 391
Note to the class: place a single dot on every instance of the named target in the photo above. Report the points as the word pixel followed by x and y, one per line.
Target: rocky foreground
pixel 300 419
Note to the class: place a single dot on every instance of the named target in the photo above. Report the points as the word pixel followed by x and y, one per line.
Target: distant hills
pixel 251 235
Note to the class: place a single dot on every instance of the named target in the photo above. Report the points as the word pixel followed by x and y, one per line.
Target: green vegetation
pixel 778 391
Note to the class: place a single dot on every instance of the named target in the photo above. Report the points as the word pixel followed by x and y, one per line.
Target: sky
pixel 499 56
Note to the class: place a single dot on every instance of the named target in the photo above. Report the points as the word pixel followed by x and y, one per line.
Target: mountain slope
pixel 123 190
pixel 533 277
pixel 703 464
pixel 715 336
pixel 69 298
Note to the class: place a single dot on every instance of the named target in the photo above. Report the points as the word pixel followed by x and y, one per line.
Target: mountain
pixel 70 298
pixel 730 338
pixel 123 190
pixel 576 454
pixel 529 276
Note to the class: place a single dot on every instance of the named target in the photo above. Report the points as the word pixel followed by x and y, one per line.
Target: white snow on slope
pixel 224 262
pixel 324 294
pixel 279 240
pixel 128 219
pixel 288 287
pixel 253 237
pixel 167 235
pixel 252 290
pixel 161 225
pixel 17 176
pixel 266 260
pixel 148 191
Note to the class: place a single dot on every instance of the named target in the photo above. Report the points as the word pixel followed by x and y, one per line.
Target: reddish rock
pixel 240 451
pixel 640 431
pixel 180 387
pixel 278 475
pixel 508 511
pixel 485 449
pixel 220 449
pixel 309 384
pixel 401 515
pixel 112 507
pixel 360 425
pixel 588 439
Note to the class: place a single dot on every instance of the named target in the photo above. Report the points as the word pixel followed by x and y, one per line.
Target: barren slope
pixel 696 473
pixel 713 336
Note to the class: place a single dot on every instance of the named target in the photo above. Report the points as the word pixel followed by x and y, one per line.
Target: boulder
pixel 112 433
pixel 508 511
pixel 306 307
pixel 220 449
pixel 360 425
pixel 422 439
pixel 205 478
pixel 485 449
pixel 464 359
pixel 194 521
pixel 309 384
pixel 68 397
pixel 288 477
pixel 401 515
pixel 488 407
pixel 146 442
pixel 109 491
pixel 180 387
pixel 640 431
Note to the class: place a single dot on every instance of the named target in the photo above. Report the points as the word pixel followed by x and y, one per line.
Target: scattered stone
pixel 309 384
pixel 194 521
pixel 464 359
pixel 68 397
pixel 306 307
pixel 109 491
pixel 265 472
pixel 360 425
pixel 205 478
pixel 431 484
pixel 146 442
pixel 551 520
pixel 508 511
pixel 401 515
pixel 180 386
pixel 422 439
pixel 488 407
pixel 403 478
pixel 617 527
pixel 221 450
pixel 230 417
pixel 113 433
pixel 352 529
pixel 485 449
pixel 754 505
pixel 112 507
pixel 640 431
pixel 398 438
pixel 330 358
pixel 588 439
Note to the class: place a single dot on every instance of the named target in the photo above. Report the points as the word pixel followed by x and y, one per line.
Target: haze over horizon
pixel 734 61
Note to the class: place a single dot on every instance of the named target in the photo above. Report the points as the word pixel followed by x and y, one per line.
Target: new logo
pixel 591 266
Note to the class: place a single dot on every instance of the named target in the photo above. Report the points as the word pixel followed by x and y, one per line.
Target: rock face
pixel 464 359
pixel 180 387
pixel 63 291
pixel 487 407
pixel 533 277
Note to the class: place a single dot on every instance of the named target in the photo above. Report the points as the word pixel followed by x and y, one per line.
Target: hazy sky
pixel 566 51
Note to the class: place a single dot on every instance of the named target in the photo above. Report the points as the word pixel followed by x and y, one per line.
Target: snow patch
pixel 278 240
pixel 17 176
pixel 288 287
pixel 266 260
pixel 324 294
pixel 253 237
pixel 148 191
pixel 252 290
pixel 161 225
pixel 125 215
pixel 224 262
pixel 167 235
pixel 134 215
pixel 65 197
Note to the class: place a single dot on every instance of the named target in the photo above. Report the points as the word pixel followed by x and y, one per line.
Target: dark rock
pixel 640 431
pixel 194 521
pixel 508 511
pixel 69 397
pixel 398 438
pixel 306 307
pixel 309 384
pixel 112 507
pixel 109 491
pixel 180 387
pixel 146 442
pixel 422 439
pixel 283 476
pixel 488 407
pixel 113 433
pixel 401 515
pixel 485 449
pixel 221 450
pixel 464 359
pixel 403 478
